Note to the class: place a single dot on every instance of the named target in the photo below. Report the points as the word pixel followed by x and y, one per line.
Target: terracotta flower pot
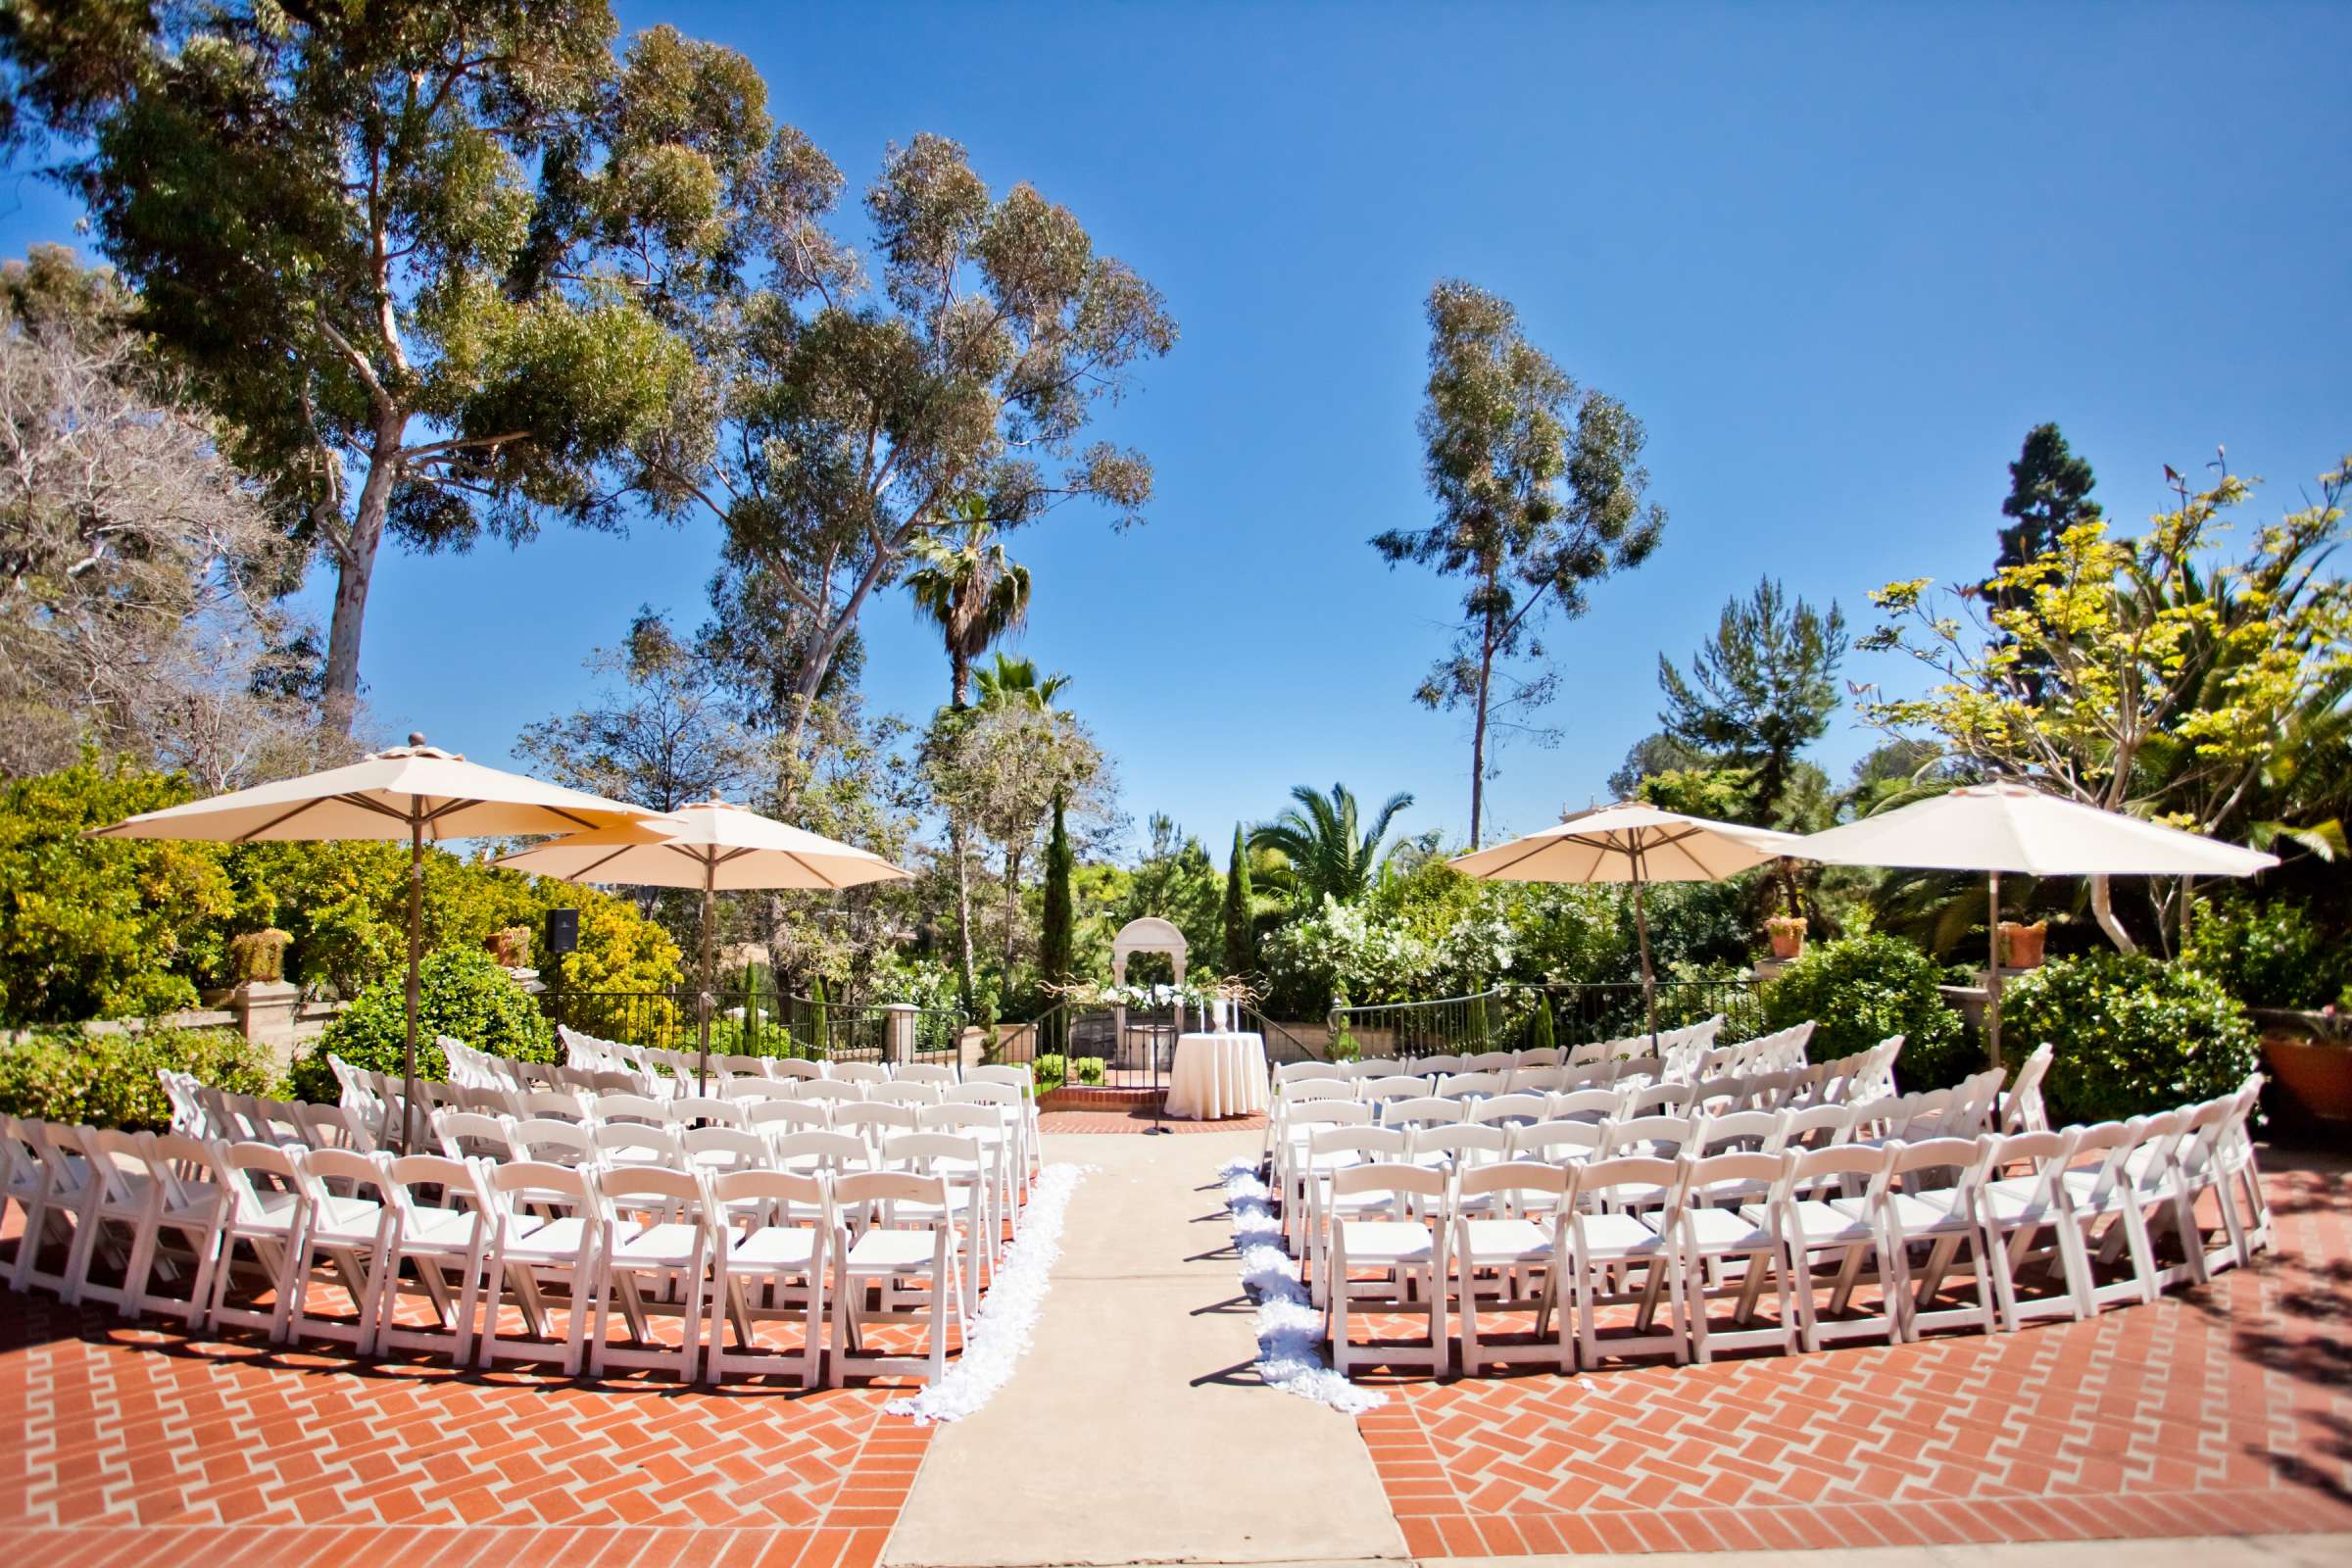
pixel 1787 937
pixel 2021 945
pixel 2316 1072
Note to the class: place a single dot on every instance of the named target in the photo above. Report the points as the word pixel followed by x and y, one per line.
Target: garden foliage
pixel 2131 1035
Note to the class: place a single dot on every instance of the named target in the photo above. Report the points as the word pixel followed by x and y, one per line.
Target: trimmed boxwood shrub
pixel 2131 1034
pixel 461 993
pixel 1860 990
pixel 108 1080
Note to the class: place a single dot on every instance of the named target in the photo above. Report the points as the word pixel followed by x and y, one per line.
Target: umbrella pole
pixel 709 895
pixel 1992 979
pixel 1649 985
pixel 407 1087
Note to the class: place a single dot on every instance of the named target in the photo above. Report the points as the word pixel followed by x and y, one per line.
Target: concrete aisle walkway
pixel 1135 1430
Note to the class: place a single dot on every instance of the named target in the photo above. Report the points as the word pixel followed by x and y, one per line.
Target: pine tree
pixel 1241 950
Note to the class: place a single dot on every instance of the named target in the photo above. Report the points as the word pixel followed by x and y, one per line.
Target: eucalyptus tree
pixel 973 591
pixel 1330 850
pixel 386 244
pixel 856 420
pixel 1539 489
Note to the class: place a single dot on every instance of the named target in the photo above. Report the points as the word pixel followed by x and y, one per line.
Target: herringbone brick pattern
pixel 114 1428
pixel 2222 1410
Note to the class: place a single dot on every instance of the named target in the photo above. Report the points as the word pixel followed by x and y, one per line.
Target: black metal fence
pixel 763 1023
pixel 1508 1018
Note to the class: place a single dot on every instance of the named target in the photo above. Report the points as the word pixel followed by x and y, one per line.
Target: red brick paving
pixel 137 1442
pixel 2225 1410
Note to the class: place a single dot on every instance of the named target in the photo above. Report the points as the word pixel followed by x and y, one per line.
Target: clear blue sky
pixel 1838 260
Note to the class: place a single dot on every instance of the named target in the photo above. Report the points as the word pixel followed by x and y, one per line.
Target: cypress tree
pixel 1240 952
pixel 1057 943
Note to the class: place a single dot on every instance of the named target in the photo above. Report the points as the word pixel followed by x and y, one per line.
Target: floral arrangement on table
pixel 1193 993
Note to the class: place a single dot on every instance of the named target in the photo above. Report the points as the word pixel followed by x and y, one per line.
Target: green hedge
pixel 2131 1034
pixel 461 993
pixel 1860 990
pixel 109 1080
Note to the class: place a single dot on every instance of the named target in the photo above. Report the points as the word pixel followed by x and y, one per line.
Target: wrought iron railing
pixel 763 1023
pixel 1505 1018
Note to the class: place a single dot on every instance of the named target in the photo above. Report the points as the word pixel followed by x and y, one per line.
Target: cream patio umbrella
pixel 1631 842
pixel 414 792
pixel 2014 827
pixel 709 844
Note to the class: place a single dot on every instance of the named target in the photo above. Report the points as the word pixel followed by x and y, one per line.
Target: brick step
pixel 1096 1097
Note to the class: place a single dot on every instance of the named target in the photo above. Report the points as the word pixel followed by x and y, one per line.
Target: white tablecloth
pixel 1217 1075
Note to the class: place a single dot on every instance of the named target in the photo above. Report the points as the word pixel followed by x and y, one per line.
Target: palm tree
pixel 974 592
pixel 1321 839
pixel 1015 682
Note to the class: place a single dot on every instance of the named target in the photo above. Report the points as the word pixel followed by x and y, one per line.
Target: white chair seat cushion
pixel 785 1248
pixel 2015 1201
pixel 1931 1215
pixel 1386 1240
pixel 1826 1224
pixel 554 1240
pixel 1505 1240
pixel 438 1229
pixel 1620 1236
pixel 1727 1230
pixel 667 1245
pixel 345 1221
pixel 896 1252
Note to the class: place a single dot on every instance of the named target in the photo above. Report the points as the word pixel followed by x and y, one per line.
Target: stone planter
pixel 2317 1073
pixel 1787 937
pixel 2021 945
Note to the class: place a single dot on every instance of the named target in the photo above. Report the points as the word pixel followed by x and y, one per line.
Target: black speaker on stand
pixel 562 936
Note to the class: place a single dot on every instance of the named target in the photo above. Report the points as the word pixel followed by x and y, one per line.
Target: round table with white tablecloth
pixel 1217 1075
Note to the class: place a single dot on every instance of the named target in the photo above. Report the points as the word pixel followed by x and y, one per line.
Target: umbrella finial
pixel 416 737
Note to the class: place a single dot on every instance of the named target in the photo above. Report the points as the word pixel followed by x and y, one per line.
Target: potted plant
pixel 511 948
pixel 2021 945
pixel 2315 1070
pixel 1787 934
pixel 258 955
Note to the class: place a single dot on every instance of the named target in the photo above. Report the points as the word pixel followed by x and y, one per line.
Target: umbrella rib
pixel 582 874
pixel 802 861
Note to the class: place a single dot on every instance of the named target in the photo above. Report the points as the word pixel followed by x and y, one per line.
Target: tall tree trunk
pixel 1013 906
pixel 2103 905
pixel 355 571
pixel 1478 728
pixel 959 685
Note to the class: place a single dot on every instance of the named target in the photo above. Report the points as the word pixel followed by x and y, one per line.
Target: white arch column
pixel 1145 934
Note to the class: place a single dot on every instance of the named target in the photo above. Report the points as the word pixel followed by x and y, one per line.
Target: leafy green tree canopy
pixel 1539 487
pixel 1761 691
pixel 1331 853
pixel 385 244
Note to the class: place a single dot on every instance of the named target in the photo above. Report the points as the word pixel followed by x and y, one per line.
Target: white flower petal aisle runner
pixel 1290 1328
pixel 1000 1333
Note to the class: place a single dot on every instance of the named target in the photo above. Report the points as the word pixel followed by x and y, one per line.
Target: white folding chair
pixel 472 1135
pixel 543 1230
pixel 554 1142
pixel 769 1117
pixel 440 1228
pixel 970 1212
pixel 925 1072
pixel 350 1230
pixel 1328 1152
pixel 1406 1253
pixel 1476 1085
pixel 634 1144
pixel 1845 1230
pixel 652 1227
pixel 899 1092
pixel 768 1257
pixel 1506 1228
pixel 1942 1219
pixel 861 1072
pixel 690 1111
pixel 1715 1235
pixel 1606 1240
pixel 913 1238
pixel 1427 1112
pixel 263 1209
pixel 116 1211
pixel 834 1092
pixel 2024 1196
pixel 2022 1110
pixel 1511 1111
pixel 617 1109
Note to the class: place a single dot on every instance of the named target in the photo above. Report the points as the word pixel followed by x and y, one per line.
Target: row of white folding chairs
pixel 1564 1238
pixel 475 1231
pixel 1863 1077
pixel 1778 1051
pixel 637 1132
pixel 1632 1048
pixel 1320 1135
pixel 200 1111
